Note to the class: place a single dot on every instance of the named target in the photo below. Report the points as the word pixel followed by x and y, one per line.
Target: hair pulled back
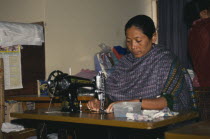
pixel 142 22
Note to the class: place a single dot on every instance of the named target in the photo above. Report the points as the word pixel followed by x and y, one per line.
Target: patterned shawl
pixel 151 76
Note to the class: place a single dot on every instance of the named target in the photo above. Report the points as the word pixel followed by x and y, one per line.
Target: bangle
pixel 140 100
pixel 169 99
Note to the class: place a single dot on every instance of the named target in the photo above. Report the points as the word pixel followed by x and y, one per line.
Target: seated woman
pixel 149 73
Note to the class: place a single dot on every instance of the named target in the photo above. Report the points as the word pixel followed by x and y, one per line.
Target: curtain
pixel 172 29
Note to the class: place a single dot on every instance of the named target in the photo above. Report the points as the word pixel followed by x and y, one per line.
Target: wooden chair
pixel 203 101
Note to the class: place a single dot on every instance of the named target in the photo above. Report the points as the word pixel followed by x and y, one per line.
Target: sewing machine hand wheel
pixel 52 82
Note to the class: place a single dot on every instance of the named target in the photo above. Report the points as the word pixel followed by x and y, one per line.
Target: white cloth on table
pixel 9 127
pixel 149 115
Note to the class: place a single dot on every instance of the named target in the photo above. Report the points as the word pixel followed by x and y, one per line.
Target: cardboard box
pixel 29 132
pixel 12 107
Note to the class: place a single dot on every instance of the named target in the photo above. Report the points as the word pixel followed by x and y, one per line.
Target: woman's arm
pixel 151 104
pixel 154 104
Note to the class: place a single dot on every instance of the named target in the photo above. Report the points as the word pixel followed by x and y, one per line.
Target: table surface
pixel 200 130
pixel 101 119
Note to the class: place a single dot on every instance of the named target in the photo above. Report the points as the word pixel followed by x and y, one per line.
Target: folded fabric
pixel 105 62
pixel 9 127
pixel 118 56
pixel 119 51
pixel 149 115
pixel 12 33
pixel 86 73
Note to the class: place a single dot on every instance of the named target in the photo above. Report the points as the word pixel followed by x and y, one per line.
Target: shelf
pixel 35 98
pixel 28 98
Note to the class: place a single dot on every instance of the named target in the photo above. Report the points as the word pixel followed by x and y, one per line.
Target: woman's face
pixel 137 42
pixel 205 14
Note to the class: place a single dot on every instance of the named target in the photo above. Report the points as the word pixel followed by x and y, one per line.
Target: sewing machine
pixel 67 88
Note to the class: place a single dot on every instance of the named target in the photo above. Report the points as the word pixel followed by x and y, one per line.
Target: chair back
pixel 203 102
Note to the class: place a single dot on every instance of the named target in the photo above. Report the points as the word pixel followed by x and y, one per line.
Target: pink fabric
pixel 195 81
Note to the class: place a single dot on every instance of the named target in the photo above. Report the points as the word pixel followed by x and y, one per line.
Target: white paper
pixel 12 70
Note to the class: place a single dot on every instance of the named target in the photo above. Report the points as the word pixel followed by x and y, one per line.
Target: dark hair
pixel 193 8
pixel 142 22
pixel 202 4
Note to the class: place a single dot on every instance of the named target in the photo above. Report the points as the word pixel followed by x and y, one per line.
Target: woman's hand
pixel 110 107
pixel 93 104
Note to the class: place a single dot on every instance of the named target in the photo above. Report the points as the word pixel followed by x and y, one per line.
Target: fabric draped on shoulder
pixel 177 88
pixel 148 77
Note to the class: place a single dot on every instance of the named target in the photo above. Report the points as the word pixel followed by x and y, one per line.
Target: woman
pixel 149 73
pixel 198 12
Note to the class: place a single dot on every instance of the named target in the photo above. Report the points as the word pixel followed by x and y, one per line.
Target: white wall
pixel 74 28
pixel 22 10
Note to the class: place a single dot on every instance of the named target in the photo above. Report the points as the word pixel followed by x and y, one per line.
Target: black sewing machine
pixel 67 87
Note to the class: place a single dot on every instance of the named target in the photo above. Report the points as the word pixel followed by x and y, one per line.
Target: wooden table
pixel 200 130
pixel 102 119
